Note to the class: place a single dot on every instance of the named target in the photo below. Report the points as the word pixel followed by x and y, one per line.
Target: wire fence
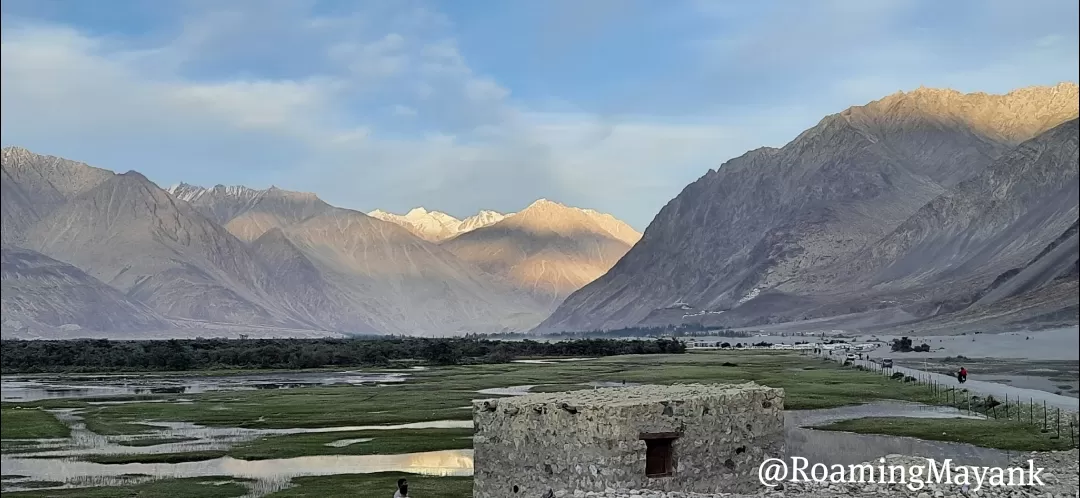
pixel 1054 421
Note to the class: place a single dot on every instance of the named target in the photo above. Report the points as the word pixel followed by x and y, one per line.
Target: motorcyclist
pixel 962 376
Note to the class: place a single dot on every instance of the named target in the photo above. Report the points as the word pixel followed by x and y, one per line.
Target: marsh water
pixel 63 460
pixel 39 387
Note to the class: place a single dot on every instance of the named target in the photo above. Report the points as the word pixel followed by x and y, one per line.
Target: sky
pixel 462 105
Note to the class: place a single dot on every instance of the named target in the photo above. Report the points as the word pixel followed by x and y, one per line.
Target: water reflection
pixel 506 391
pixel 184 437
pixel 550 361
pixel 22 388
pixel 847 448
pixel 56 459
pixel 341 443
pixel 273 474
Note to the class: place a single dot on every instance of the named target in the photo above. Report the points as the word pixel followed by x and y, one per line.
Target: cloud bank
pixel 490 105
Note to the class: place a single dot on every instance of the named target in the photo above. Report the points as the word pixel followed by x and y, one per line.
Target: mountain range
pixel 902 210
pixel 929 209
pixel 436 226
pixel 89 251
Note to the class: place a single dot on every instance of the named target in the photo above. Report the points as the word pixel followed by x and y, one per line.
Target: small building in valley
pixel 690 438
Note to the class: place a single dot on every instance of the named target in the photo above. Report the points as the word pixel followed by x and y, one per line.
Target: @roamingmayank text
pixel 774 471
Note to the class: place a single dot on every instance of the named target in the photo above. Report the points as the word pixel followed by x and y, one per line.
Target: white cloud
pixel 128 106
pixel 268 92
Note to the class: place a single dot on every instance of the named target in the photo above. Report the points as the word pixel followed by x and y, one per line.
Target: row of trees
pixel 681 330
pixel 904 345
pixel 99 355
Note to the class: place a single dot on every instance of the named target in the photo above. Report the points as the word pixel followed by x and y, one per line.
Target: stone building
pixel 692 438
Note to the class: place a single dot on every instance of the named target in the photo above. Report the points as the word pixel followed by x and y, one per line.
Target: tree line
pixel 101 355
pixel 680 330
pixel 904 345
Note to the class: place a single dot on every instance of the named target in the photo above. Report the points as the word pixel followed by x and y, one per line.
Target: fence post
pixel 1072 431
pixel 1031 411
pixel 1045 427
pixel 1007 406
pixel 1058 423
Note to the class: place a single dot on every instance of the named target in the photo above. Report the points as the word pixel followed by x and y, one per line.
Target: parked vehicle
pixel 886 363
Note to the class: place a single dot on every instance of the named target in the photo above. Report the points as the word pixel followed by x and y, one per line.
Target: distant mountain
pixel 42 293
pixel 34 186
pixel 381 276
pixel 135 237
pixel 432 226
pixel 480 220
pixel 616 227
pixel 228 259
pixel 248 213
pixel 1058 262
pixel 1040 293
pixel 774 235
pixel 930 207
pixel 435 226
pixel 548 248
pixel 996 221
pixel 315 299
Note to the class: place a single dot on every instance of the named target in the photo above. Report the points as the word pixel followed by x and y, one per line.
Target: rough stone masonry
pixel 690 437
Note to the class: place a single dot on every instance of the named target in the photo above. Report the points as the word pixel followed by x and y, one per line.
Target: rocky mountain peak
pixel 428 225
pixel 479 220
pixel 547 216
pixel 13 151
pixel 1008 118
pixel 543 203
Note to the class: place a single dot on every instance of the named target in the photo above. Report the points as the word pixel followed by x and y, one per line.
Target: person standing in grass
pixel 402 489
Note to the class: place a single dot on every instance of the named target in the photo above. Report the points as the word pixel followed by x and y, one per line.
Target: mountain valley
pixel 270 261
pixel 926 207
pixel 905 208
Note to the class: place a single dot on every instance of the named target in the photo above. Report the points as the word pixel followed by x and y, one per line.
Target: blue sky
pixel 462 105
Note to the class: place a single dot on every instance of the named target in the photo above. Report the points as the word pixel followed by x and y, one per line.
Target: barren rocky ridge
pixel 898 205
pixel 234 255
pixel 918 207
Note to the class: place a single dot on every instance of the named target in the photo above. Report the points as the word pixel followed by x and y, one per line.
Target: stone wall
pixel 592 440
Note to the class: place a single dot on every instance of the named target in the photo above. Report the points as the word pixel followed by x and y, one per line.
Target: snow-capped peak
pixel 479 220
pixel 186 191
pixel 430 225
pixel 436 225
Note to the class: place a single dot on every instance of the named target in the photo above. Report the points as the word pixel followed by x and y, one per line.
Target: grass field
pixel 384 442
pixel 442 394
pixel 26 423
pixel 808 382
pixel 1000 434
pixel 207 487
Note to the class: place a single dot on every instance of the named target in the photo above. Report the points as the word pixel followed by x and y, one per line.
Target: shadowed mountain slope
pixel 767 235
pixel 41 292
pixel 248 213
pixel 404 284
pixel 135 237
pixel 34 185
